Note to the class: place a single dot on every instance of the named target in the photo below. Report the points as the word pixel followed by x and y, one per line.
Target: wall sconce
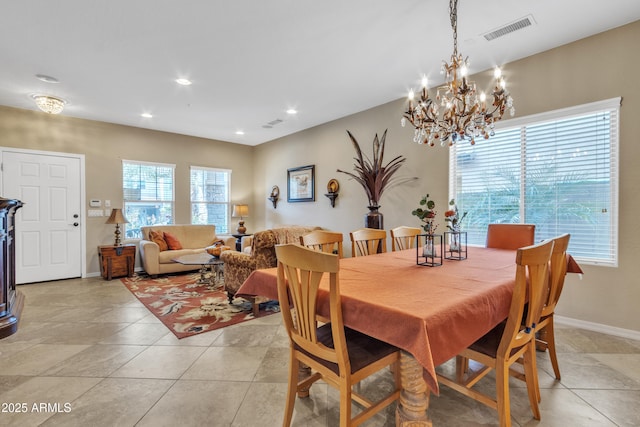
pixel 332 188
pixel 240 211
pixel 275 194
pixel 117 218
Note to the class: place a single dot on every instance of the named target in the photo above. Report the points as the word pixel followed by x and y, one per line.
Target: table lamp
pixel 117 218
pixel 240 211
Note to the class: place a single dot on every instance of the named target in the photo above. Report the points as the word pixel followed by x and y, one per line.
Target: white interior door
pixel 48 226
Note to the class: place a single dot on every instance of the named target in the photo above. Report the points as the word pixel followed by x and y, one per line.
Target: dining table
pixel 431 313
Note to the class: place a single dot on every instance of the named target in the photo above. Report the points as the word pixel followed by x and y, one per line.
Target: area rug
pixel 187 307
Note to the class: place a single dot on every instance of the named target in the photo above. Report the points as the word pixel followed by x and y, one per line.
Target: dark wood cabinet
pixel 11 300
pixel 117 261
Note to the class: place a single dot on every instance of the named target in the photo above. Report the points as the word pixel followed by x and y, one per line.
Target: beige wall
pixel 105 145
pixel 600 67
pixel 593 69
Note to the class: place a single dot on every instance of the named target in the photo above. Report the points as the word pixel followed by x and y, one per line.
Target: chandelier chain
pixel 453 16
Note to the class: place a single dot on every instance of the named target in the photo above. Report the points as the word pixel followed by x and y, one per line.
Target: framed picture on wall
pixel 301 184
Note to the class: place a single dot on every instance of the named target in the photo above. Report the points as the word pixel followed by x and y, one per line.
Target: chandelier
pixel 458 113
pixel 49 104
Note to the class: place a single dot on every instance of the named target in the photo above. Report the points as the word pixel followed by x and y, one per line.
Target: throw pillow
pixel 157 237
pixel 172 241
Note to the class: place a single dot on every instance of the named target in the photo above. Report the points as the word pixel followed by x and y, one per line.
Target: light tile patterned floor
pixel 94 356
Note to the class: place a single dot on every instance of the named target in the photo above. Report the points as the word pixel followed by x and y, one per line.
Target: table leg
pixel 303 372
pixel 414 397
pixel 542 345
pixel 203 275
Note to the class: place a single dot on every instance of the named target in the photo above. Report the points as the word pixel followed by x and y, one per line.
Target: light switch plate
pixel 95 212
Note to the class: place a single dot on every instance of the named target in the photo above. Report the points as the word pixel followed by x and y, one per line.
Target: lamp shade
pixel 117 217
pixel 240 211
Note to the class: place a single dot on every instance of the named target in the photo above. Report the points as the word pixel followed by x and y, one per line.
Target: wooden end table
pixel 239 240
pixel 117 261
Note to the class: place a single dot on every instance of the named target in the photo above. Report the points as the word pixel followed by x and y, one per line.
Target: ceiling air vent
pixel 272 123
pixel 520 24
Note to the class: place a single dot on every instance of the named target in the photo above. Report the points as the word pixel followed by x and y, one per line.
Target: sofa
pixel 239 265
pixel 192 238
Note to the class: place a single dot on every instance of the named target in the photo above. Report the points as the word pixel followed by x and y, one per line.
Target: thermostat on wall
pixel 95 203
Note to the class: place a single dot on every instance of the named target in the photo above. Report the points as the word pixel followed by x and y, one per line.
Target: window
pixel 557 170
pixel 148 195
pixel 210 197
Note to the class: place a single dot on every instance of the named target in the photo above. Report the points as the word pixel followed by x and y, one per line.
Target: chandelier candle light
pixel 458 113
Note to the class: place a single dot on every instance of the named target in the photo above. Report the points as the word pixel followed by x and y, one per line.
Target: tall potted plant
pixel 375 177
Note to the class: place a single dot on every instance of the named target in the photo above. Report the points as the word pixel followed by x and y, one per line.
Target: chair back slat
pixel 324 241
pixel 558 273
pixel 404 237
pixel 532 281
pixel 368 241
pixel 510 236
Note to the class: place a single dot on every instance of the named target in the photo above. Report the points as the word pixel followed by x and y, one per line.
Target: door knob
pixel 75 224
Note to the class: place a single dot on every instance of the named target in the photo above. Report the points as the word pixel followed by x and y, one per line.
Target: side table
pixel 117 261
pixel 239 240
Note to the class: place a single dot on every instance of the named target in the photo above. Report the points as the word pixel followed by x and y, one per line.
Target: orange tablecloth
pixel 431 312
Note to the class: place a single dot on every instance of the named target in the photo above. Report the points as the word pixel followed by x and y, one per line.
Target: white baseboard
pixel 598 327
pixel 98 274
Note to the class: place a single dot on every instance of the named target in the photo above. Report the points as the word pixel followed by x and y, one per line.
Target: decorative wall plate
pixel 333 186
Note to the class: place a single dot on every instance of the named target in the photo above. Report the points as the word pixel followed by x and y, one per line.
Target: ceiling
pixel 251 60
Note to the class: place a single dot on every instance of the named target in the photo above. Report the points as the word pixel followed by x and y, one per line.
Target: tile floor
pixel 87 353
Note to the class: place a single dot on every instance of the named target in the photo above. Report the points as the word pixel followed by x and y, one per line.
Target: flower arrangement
pixel 372 174
pixel 427 215
pixel 453 218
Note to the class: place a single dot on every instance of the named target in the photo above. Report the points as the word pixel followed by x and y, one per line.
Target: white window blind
pixel 210 189
pixel 557 170
pixel 148 193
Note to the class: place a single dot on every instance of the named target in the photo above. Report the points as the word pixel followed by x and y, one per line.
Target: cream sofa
pixel 193 239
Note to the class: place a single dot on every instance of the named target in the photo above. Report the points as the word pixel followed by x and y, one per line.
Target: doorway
pixel 50 230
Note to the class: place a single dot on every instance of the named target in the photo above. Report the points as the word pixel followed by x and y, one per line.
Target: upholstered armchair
pixel 239 265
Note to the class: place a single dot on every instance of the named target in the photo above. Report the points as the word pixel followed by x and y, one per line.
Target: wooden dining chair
pixel 510 236
pixel 368 241
pixel 510 340
pixel 324 241
pixel 338 355
pixel 404 237
pixel 546 336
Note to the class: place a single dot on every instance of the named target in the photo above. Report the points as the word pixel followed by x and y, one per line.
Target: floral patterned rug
pixel 187 307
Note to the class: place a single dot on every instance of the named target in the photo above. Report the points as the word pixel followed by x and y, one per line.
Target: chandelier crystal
pixel 49 104
pixel 458 113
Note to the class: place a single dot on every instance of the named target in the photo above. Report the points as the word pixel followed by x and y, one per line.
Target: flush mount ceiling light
pixel 184 82
pixel 457 113
pixel 146 115
pixel 49 104
pixel 292 111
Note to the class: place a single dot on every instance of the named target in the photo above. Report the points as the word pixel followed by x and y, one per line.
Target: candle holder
pixel 429 249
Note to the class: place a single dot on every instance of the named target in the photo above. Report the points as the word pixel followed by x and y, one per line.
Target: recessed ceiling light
pixel 239 132
pixel 146 115
pixel 183 82
pixel 47 79
pixel 292 111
